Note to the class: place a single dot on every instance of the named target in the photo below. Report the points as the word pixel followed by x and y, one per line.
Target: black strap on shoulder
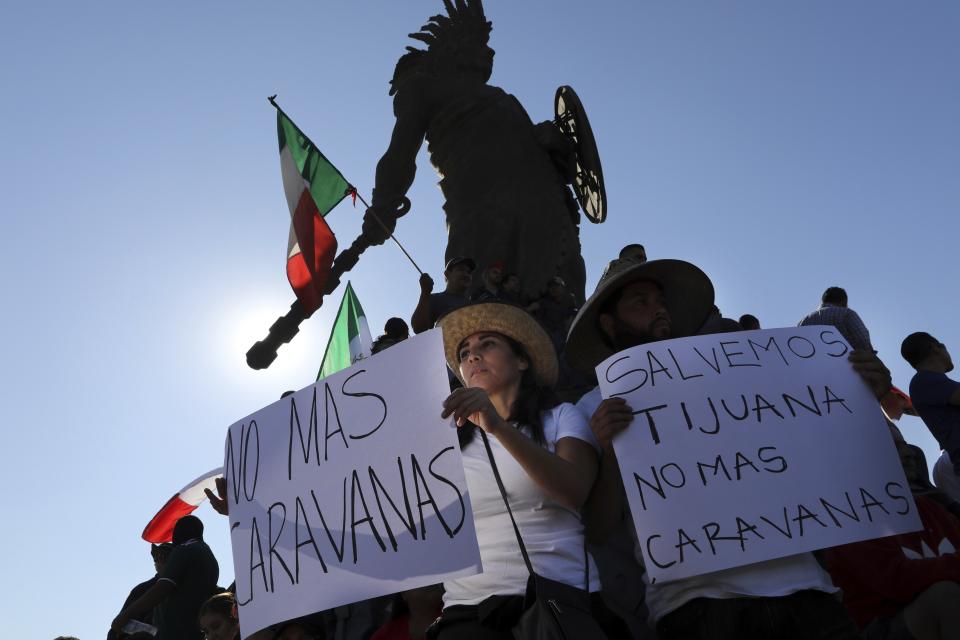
pixel 513 521
pixel 503 494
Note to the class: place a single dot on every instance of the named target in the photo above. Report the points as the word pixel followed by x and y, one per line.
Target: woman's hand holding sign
pixel 473 405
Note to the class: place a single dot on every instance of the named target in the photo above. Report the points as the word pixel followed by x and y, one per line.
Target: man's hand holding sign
pixel 750 446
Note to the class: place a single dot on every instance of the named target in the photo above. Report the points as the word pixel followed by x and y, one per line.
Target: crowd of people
pixel 548 499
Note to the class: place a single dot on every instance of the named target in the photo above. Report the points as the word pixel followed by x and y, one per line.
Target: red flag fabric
pixel 313 187
pixel 184 502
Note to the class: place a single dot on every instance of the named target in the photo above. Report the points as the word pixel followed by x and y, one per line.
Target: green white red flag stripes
pixel 350 338
pixel 313 187
pixel 184 502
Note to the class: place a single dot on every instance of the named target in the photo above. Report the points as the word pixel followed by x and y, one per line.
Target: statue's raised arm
pixel 395 173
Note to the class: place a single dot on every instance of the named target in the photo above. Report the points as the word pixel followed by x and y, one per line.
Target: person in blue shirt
pixel 936 398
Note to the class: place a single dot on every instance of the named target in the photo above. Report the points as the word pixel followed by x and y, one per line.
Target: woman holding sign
pixel 546 458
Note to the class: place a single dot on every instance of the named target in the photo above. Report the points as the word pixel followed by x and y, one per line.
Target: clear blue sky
pixel 783 147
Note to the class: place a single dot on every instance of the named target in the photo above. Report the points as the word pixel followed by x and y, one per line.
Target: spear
pixel 262 354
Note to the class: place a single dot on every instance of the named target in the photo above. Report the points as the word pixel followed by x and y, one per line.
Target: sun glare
pixel 241 327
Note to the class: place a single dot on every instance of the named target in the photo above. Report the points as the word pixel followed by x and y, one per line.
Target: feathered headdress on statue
pixel 445 36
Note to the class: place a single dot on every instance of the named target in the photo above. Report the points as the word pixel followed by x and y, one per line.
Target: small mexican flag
pixel 313 187
pixel 350 338
pixel 183 503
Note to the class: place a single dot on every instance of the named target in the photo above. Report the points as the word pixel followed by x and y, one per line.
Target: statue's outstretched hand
pixel 378 224
pixel 559 146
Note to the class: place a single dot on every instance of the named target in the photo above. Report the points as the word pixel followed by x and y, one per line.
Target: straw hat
pixel 689 300
pixel 505 319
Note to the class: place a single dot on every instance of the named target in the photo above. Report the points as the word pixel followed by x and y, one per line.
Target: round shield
pixel 588 178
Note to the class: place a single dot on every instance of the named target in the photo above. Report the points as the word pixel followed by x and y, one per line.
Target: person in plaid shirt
pixel 834 311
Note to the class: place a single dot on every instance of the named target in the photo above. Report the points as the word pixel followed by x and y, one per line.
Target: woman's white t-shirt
pixel 552 533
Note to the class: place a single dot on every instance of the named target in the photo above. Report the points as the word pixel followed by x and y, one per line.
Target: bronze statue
pixel 505 180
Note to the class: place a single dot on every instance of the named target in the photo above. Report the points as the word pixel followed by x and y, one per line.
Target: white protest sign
pixel 349 489
pixel 751 446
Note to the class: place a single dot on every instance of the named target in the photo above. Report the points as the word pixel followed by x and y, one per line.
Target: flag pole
pixel 273 101
pixel 392 237
pixel 264 352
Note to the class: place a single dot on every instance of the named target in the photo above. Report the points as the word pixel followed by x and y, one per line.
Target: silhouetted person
pixel 490 283
pixel 187 580
pixel 749 322
pixel 159 553
pixel 397 329
pixel 458 274
pixel 555 311
pixel 716 323
pixel 635 252
pixel 394 331
pixel 510 290
pixel 833 311
pixel 936 398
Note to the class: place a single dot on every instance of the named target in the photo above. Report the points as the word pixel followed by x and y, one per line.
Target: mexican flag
pixel 313 187
pixel 183 503
pixel 350 338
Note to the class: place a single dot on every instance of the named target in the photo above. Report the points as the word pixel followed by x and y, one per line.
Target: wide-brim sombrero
pixel 689 300
pixel 505 319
